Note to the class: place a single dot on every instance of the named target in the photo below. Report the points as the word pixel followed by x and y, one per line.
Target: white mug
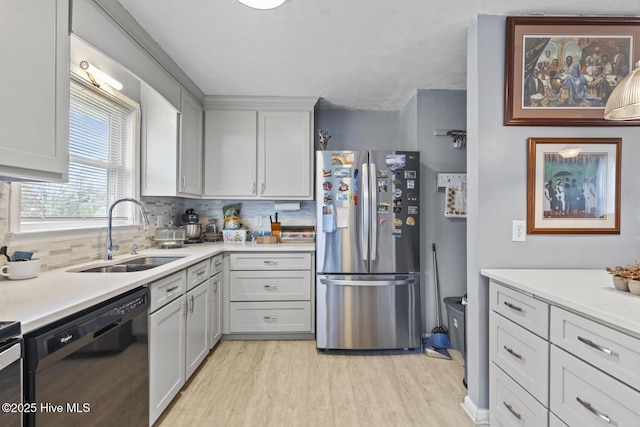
pixel 17 270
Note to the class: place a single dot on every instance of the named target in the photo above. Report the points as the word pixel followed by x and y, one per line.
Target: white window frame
pixel 85 227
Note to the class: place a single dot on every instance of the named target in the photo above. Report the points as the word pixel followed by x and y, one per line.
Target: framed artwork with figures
pixel 573 185
pixel 560 71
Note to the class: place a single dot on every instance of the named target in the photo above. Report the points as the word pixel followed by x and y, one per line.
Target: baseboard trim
pixel 480 417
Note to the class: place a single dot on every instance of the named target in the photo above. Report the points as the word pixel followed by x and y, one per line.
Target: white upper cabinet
pixel 190 153
pixel 171 146
pixel 34 82
pixel 259 148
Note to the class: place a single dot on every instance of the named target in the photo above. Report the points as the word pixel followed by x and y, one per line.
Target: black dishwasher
pixel 91 368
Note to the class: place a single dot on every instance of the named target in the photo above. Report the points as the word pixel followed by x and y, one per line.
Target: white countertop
pixel 55 294
pixel 586 292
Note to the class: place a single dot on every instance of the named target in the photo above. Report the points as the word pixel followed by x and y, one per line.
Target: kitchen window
pixel 102 139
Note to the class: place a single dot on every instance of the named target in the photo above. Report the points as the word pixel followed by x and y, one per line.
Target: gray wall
pixel 413 129
pixel 497 162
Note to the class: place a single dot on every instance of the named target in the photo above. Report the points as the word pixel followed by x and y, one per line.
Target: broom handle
pixel 437 286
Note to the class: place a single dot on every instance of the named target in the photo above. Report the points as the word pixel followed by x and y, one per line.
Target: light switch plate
pixel 257 221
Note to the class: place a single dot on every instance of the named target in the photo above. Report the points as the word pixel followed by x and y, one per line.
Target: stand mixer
pixel 192 227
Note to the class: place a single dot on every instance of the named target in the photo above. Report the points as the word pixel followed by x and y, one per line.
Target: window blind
pixel 100 157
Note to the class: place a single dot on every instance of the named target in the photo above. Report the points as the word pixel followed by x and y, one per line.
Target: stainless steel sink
pixel 136 264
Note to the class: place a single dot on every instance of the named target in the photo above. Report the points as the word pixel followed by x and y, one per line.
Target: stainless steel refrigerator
pixel 368 250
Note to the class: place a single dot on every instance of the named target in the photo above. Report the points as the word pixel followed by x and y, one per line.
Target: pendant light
pixel 262 4
pixel 624 101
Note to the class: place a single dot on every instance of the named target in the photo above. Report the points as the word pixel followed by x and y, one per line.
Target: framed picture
pixel 560 71
pixel 573 186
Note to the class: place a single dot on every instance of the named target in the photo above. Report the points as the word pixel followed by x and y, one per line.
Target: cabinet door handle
pixel 513 353
pixel 594 411
pixel 183 182
pixel 253 188
pixel 513 307
pixel 191 304
pixel 270 262
pixel 262 187
pixel 594 345
pixel 271 287
pixel 270 318
pixel 510 408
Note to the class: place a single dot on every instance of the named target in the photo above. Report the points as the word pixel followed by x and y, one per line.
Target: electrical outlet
pixel 519 232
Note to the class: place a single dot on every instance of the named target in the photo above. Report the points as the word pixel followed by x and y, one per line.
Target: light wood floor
pixel 289 383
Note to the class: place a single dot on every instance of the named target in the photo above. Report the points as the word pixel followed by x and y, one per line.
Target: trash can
pixel 455 318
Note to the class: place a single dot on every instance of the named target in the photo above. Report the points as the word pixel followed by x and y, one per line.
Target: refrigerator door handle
pixel 341 282
pixel 373 208
pixel 366 215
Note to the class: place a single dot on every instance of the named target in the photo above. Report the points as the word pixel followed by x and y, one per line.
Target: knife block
pixel 275 230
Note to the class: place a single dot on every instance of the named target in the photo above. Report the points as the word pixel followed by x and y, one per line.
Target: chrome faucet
pixel 110 246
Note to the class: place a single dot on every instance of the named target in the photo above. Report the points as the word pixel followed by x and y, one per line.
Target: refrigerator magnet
pixel 328 219
pixel 397 232
pixel 397 193
pixel 397 209
pixel 411 220
pixel 326 173
pixel 410 174
pixel 412 210
pixel 342 172
pixel 342 197
pixel 411 184
pixel 396 162
pixel 412 197
pixel 343 186
pixel 355 199
pixel 397 202
pixel 382 174
pixel 328 199
pixel 383 209
pixel 383 220
pixel 382 186
pixel 327 186
pixel 397 222
pixel 342 217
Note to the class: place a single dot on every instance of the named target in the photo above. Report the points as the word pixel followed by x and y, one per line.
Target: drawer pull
pixel 271 287
pixel 513 307
pixel 270 318
pixel 594 345
pixel 218 264
pixel 510 408
pixel 201 272
pixel 513 353
pixel 171 289
pixel 271 262
pixel 594 411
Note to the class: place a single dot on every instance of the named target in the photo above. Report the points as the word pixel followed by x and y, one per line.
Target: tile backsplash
pixel 61 251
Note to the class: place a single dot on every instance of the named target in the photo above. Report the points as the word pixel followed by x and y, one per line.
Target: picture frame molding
pixel 533 190
pixel 514 115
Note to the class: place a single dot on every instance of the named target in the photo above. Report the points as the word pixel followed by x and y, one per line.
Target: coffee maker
pixel 192 227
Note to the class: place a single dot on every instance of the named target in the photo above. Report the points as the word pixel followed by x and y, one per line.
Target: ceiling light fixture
pixel 262 4
pixel 96 73
pixel 624 101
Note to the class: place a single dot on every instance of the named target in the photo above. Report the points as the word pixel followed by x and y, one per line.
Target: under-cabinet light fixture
pixel 262 4
pixel 97 75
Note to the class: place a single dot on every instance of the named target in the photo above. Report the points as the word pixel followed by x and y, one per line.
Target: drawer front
pixel 612 351
pixel 271 261
pixel 522 309
pixel 269 285
pixel 216 264
pixel 286 316
pixel 510 404
pixel 198 273
pixel 521 354
pixel 165 290
pixel 581 395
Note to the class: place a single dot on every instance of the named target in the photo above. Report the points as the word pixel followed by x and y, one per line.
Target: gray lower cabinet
pixel 550 366
pixel 270 293
pixel 179 332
